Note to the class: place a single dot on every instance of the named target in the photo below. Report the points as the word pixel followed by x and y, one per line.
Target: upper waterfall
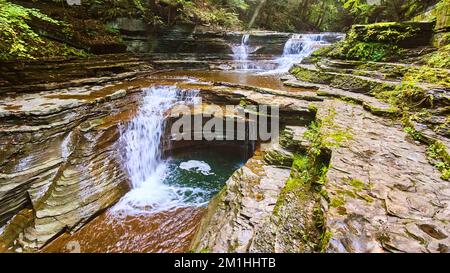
pixel 300 46
pixel 241 52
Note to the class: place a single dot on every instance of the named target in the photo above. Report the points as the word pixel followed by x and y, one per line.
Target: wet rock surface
pixel 387 187
pixel 60 159
pixel 382 193
pixel 60 162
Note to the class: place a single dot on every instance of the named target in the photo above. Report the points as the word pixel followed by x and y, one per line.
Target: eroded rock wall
pixel 60 161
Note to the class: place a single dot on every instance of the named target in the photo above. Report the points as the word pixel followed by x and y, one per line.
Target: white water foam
pixel 142 159
pixel 241 52
pixel 297 48
pixel 196 166
pixel 300 46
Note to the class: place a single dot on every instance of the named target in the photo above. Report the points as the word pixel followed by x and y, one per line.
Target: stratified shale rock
pixel 60 160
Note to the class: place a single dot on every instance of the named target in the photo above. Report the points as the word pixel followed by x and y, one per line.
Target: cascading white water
pixel 143 134
pixel 241 52
pixel 142 159
pixel 298 47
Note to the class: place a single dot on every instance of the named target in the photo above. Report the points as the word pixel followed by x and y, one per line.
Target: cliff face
pixel 60 154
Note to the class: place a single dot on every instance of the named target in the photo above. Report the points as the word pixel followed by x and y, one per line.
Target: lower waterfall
pixel 143 159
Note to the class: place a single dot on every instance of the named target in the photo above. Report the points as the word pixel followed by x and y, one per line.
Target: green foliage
pixel 295 15
pixel 359 9
pixel 437 153
pixel 365 12
pixel 18 40
pixel 169 12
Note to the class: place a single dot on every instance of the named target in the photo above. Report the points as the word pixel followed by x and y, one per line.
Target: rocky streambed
pixel 89 165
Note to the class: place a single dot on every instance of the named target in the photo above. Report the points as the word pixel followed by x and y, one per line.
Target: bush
pixel 17 38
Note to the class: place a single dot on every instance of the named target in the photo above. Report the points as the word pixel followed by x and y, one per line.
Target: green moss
pixel 313 108
pixel 383 112
pixel 417 136
pixel 371 51
pixel 278 158
pixel 380 41
pixel 440 58
pixel 351 49
pixel 205 250
pixel 406 96
pixel 325 134
pixel 386 32
pixel 309 174
pixel 309 75
pixel 438 154
pixel 426 74
pixel 358 184
pixel 325 240
pixel 338 201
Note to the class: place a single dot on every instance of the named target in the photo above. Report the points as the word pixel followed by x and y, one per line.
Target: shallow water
pixel 271 81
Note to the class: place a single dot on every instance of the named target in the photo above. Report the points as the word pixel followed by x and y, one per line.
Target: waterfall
pixel 142 136
pixel 142 156
pixel 241 52
pixel 298 47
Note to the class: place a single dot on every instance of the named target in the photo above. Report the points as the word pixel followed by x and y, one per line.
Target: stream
pixel 169 193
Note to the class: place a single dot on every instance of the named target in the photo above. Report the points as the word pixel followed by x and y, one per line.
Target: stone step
pixel 15 75
pixel 369 103
pixel 293 139
pixel 349 82
pixel 363 84
pixel 276 155
pixel 304 85
pixel 33 88
pixel 429 136
pixel 180 64
pixel 379 70
pixel 307 96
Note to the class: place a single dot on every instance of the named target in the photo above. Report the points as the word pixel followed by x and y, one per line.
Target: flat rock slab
pixel 371 104
pixel 384 194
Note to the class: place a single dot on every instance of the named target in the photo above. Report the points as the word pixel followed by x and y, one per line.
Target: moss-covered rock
pixel 349 82
pixel 311 75
pixel 440 58
pixel 277 156
pixel 382 41
pixel 405 34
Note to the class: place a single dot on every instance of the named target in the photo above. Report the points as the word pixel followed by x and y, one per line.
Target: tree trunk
pixel 255 15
